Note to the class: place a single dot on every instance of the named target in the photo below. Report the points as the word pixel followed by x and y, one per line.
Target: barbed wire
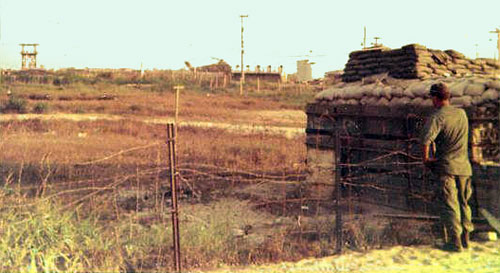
pixel 118 153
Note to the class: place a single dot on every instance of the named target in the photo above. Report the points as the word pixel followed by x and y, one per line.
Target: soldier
pixel 448 128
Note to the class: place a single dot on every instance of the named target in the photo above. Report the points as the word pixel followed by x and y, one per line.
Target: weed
pixel 80 110
pixel 135 108
pixel 40 108
pixel 15 105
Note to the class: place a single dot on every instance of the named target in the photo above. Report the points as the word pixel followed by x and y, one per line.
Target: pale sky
pixel 163 33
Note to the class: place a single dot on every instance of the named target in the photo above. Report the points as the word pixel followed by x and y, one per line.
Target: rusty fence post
pixel 174 188
pixel 338 195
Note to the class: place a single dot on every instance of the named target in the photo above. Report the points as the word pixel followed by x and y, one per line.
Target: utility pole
pixel 364 37
pixel 497 31
pixel 477 51
pixel 242 76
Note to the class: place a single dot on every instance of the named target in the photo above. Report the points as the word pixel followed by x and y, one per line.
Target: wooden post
pixel 174 188
pixel 258 84
pixel 177 95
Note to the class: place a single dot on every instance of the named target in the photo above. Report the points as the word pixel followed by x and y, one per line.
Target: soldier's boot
pixel 465 239
pixel 455 245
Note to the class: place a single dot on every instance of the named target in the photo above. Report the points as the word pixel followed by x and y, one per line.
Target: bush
pixel 14 105
pixel 135 108
pixel 40 108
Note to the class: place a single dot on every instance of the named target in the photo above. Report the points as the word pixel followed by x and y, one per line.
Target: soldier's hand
pixel 430 163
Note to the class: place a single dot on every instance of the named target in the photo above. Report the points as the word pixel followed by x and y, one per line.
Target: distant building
pixel 259 73
pixel 304 71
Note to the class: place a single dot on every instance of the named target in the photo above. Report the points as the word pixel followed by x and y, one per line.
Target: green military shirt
pixel 448 127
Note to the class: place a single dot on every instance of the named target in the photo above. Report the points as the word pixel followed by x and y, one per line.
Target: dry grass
pixel 93 195
pixel 129 100
pixel 70 142
pixel 45 162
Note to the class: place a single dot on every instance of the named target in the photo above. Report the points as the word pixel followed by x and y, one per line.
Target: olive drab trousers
pixel 456 213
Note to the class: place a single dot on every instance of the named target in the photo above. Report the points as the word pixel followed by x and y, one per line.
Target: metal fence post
pixel 173 185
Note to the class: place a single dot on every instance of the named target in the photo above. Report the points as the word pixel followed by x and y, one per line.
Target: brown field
pixel 102 164
pixel 85 181
pixel 124 100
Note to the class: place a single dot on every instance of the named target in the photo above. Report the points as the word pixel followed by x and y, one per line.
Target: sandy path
pixel 481 257
pixel 259 126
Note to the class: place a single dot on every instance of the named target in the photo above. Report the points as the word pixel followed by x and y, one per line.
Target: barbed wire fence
pixel 371 177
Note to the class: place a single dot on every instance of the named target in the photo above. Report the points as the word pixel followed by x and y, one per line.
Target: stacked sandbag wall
pixel 465 92
pixel 414 61
pixel 365 63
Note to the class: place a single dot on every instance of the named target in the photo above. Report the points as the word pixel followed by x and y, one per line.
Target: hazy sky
pixel 163 34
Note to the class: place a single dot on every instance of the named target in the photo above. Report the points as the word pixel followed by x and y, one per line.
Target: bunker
pixel 362 134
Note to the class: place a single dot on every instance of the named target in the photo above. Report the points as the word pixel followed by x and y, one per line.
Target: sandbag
pixel 372 101
pixel 404 101
pixel 474 89
pixel 325 94
pixel 417 101
pixel 367 90
pixel 356 93
pixel 383 102
pixel 376 78
pixel 386 92
pixel 463 101
pixel 462 71
pixel 339 102
pixel 490 95
pixel 398 101
pixel 377 91
pixel 340 93
pixel 352 102
pixel 408 93
pixel 397 91
pixel 493 84
pixel 426 90
pixel 457 88
pixel 393 102
pixel 455 54
pixel 427 103
pixel 477 100
pixel 349 93
pixel 364 100
pixel 418 89
pixel 329 95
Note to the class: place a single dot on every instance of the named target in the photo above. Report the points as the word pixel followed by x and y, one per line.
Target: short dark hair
pixel 440 91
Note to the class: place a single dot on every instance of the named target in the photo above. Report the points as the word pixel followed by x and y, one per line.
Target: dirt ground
pixel 282 122
pixel 481 257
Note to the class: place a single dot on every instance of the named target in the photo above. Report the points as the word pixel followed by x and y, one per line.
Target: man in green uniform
pixel 448 128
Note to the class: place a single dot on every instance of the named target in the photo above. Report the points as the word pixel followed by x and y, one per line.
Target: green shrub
pixel 14 105
pixel 40 108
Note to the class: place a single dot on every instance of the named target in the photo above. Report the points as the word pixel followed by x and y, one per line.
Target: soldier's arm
pixel 425 153
pixel 429 133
